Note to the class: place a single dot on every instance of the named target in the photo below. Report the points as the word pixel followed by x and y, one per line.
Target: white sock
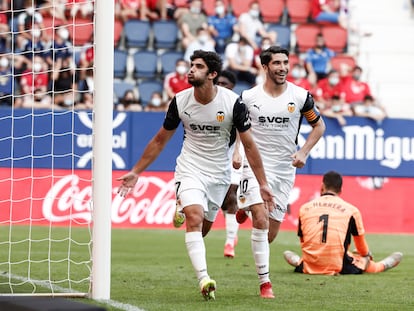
pixel 261 253
pixel 232 227
pixel 197 252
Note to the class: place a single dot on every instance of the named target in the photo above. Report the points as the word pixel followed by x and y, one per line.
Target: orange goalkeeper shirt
pixel 325 228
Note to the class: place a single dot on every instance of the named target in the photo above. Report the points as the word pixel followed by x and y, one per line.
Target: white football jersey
pixel 208 130
pixel 275 124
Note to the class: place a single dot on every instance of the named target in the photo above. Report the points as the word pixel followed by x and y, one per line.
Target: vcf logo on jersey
pixel 220 116
pixel 84 141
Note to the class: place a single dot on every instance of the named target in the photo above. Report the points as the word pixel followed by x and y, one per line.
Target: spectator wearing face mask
pixel 222 26
pixel 355 89
pixel 251 26
pixel 35 78
pixel 203 42
pixel 156 104
pixel 176 81
pixel 35 45
pixel 238 58
pixel 129 102
pixel 299 76
pixel 191 21
pixel 328 87
pixel 62 47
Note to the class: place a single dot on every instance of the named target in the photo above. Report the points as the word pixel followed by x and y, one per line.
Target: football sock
pixel 197 252
pixel 232 227
pixel 261 253
pixel 374 267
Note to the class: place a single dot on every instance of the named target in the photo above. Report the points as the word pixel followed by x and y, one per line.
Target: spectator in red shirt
pixel 328 11
pixel 176 81
pixel 355 89
pixel 35 78
pixel 299 76
pixel 327 88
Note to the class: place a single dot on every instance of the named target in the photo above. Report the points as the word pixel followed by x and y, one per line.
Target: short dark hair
pixel 229 75
pixel 212 60
pixel 333 181
pixel 266 55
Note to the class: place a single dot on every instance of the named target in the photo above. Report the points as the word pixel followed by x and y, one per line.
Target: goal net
pixel 47 121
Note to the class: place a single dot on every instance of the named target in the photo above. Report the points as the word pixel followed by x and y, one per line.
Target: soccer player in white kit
pixel 208 113
pixel 276 109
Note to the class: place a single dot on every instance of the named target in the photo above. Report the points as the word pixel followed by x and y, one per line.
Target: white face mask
pixel 156 102
pixel 181 69
pixel 36 33
pixel 219 10
pixel 4 62
pixel 203 39
pixel 195 10
pixel 37 67
pixel 254 13
pixel 333 81
pixel 30 10
pixel 63 33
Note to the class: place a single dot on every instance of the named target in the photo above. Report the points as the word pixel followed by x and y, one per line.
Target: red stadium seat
pixel 51 23
pixel 81 32
pixel 272 10
pixel 298 11
pixel 336 37
pixel 239 7
pixel 340 59
pixel 306 37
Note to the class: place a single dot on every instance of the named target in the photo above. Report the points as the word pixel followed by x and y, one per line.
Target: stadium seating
pixel 168 60
pixel 239 7
pixel 120 63
pixel 298 11
pixel 145 64
pixel 272 10
pixel 283 34
pixel 146 88
pixel 165 34
pixel 137 33
pixel 340 59
pixel 81 32
pixel 336 37
pixel 120 87
pixel 306 37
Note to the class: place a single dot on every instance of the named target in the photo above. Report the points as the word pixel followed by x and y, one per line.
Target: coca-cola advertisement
pixel 64 197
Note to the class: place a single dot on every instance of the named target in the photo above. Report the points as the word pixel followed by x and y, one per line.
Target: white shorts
pixel 249 192
pixel 203 191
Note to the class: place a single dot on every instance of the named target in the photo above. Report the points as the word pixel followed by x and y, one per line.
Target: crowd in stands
pixel 42 65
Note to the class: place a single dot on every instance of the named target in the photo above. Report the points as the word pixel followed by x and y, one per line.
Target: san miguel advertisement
pixel 45 174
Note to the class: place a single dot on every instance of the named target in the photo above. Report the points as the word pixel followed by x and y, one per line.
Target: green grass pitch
pixel 151 271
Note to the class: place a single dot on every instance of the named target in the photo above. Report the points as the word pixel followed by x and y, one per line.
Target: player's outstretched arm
pixel 151 152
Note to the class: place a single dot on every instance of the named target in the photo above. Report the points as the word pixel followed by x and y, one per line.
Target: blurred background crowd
pixel 46 51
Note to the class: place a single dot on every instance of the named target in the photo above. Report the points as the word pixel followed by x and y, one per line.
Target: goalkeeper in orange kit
pixel 325 227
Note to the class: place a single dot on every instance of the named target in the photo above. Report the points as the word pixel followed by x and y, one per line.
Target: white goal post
pixel 55 219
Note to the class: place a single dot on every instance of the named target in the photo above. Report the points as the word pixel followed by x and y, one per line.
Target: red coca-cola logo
pixel 152 201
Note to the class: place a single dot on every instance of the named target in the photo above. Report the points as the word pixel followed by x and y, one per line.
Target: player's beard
pixel 276 79
pixel 196 82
